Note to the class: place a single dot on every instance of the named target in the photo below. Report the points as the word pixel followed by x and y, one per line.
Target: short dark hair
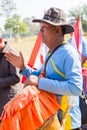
pixel 63 29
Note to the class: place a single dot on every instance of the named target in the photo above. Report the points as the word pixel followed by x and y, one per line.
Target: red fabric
pixel 76 38
pixel 34 53
pixel 0 40
pixel 77 32
pixel 35 50
pixel 84 73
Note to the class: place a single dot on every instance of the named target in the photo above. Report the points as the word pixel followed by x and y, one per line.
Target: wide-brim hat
pixel 56 17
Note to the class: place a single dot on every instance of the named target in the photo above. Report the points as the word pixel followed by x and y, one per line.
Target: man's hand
pixel 31 80
pixel 16 60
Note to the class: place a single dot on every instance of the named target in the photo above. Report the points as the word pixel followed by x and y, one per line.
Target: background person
pixel 8 77
pixel 83 98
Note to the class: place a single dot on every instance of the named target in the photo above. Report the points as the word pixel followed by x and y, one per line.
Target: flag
pixel 38 54
pixel 77 43
pixel 77 36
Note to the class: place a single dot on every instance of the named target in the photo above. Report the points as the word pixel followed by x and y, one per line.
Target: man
pixel 8 77
pixel 62 66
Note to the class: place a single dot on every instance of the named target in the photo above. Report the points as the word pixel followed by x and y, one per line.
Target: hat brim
pixel 68 28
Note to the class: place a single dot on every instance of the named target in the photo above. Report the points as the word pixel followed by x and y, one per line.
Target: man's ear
pixel 57 29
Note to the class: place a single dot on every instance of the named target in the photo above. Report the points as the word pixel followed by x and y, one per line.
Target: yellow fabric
pixel 85 64
pixel 64 107
pixel 64 42
pixel 64 103
pixel 68 124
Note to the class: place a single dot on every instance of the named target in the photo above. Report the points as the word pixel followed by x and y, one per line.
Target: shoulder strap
pixel 50 56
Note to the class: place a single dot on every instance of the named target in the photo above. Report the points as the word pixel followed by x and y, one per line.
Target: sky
pixel 28 8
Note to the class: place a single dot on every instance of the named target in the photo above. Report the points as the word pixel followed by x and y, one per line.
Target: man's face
pixel 47 32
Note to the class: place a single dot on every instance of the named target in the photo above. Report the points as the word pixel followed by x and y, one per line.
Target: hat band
pixel 53 18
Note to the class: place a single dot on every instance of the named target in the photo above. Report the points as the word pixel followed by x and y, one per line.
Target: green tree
pixel 23 29
pixel 15 26
pixel 79 11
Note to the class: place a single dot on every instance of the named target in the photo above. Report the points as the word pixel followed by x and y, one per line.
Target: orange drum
pixel 28 110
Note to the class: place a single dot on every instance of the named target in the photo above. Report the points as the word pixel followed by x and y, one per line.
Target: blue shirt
pixel 84 49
